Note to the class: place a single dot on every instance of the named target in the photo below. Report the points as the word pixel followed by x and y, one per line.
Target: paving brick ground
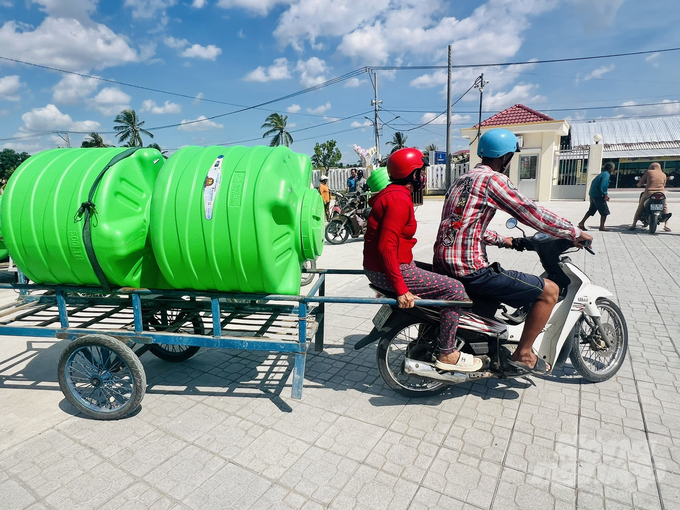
pixel 221 431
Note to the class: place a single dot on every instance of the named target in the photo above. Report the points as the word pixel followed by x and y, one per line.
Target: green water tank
pixel 3 249
pixel 378 180
pixel 44 236
pixel 236 219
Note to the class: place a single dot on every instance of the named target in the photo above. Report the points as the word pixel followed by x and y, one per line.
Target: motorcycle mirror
pixel 511 223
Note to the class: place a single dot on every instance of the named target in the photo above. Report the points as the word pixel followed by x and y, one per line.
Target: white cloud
pixel 240 34
pixel 261 7
pixel 50 118
pixel 67 44
pixel 148 8
pixel 178 44
pixel 149 105
pixel 331 119
pixel 294 108
pixel 667 107
pixel 522 93
pixel 199 4
pixel 365 123
pixel 111 101
pixel 455 119
pixel 209 52
pixel 599 72
pixel 78 9
pixel 277 71
pixel 597 15
pixel 311 71
pixel 9 88
pixel 320 110
pixel 653 59
pixel 354 82
pixel 199 124
pixel 73 89
pixel 198 98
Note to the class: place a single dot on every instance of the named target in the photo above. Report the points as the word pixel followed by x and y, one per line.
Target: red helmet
pixel 404 162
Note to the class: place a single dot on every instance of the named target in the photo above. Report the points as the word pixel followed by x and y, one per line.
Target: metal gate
pixel 570 174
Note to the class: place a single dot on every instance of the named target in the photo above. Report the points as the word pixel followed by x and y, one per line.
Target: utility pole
pixel 480 85
pixel 447 177
pixel 66 139
pixel 375 103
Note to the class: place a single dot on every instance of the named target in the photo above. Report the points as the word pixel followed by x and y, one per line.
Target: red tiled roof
pixel 518 114
pixel 463 151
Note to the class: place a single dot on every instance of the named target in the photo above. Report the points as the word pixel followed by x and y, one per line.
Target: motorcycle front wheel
pixel 337 232
pixel 415 341
pixel 591 357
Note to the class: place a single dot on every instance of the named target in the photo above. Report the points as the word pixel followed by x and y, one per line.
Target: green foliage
pixel 398 141
pixel 276 125
pixel 431 148
pixel 158 148
pixel 10 160
pixel 326 155
pixel 94 140
pixel 130 129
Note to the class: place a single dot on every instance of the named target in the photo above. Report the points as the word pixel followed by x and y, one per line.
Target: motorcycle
pixel 585 326
pixel 652 214
pixel 341 199
pixel 352 220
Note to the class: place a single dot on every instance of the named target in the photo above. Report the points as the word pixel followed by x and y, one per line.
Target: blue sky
pixel 247 52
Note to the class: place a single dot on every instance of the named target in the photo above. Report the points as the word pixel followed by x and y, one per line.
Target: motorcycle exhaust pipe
pixel 428 371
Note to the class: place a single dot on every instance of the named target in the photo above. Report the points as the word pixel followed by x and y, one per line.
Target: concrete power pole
pixel 375 103
pixel 447 177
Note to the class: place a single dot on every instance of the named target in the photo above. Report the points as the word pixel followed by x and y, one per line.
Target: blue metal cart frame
pixel 68 312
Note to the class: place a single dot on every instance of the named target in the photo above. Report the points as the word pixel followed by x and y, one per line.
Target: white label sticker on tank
pixel 211 186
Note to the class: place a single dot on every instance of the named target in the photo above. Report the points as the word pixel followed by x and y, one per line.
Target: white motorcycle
pixel 585 326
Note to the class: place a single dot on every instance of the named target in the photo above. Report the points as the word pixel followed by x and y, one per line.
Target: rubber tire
pixel 308 278
pixel 653 222
pixel 577 359
pixel 126 354
pixel 176 357
pixel 381 358
pixel 344 236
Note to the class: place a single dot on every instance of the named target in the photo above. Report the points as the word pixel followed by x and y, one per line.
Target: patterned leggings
pixel 428 285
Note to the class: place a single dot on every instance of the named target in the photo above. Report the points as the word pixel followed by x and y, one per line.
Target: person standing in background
pixel 599 197
pixel 360 182
pixel 325 195
pixel 352 181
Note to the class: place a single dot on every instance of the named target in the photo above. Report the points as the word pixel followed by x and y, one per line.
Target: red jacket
pixel 389 235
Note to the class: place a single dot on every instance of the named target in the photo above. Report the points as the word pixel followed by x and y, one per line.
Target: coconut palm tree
pixel 276 125
pixel 431 148
pixel 159 149
pixel 94 140
pixel 398 141
pixel 130 129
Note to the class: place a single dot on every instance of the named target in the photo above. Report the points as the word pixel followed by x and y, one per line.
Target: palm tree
pixel 398 141
pixel 276 125
pixel 94 140
pixel 130 128
pixel 158 148
pixel 431 148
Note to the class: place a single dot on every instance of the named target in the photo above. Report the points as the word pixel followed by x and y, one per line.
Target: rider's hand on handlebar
pixel 508 242
pixel 583 241
pixel 406 300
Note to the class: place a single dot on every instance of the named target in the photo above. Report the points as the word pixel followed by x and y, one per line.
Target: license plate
pixel 381 317
pixel 656 207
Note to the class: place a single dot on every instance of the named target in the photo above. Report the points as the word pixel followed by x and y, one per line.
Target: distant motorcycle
pixel 653 214
pixel 351 220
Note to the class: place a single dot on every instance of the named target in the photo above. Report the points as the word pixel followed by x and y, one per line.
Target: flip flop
pixel 540 368
pixel 667 229
pixel 582 228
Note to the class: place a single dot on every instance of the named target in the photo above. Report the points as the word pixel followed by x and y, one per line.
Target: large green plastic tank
pixel 236 219
pixel 378 180
pixel 44 237
pixel 3 249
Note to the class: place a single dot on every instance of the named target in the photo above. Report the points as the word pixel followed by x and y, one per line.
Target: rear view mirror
pixel 511 223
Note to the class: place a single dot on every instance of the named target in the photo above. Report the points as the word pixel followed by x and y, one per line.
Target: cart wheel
pixel 102 377
pixel 166 319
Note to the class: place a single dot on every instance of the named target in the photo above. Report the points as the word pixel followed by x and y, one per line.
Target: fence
pixel 337 178
pixel 570 174
pixel 436 177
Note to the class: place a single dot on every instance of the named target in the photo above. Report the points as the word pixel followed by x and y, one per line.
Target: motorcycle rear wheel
pixel 395 346
pixel 591 358
pixel 337 232
pixel 653 223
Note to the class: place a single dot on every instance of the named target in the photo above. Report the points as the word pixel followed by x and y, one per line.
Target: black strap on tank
pixel 89 210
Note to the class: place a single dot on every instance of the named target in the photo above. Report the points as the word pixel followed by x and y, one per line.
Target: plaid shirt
pixel 471 203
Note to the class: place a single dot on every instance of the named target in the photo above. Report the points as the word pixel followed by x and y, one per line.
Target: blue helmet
pixel 496 143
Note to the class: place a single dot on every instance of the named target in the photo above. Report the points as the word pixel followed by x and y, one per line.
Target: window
pixel 527 167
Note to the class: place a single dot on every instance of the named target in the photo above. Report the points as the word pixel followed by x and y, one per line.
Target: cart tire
pixel 101 377
pixel 307 278
pixel 176 353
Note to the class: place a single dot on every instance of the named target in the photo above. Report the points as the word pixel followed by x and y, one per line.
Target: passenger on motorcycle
pixel 654 181
pixel 460 248
pixel 388 256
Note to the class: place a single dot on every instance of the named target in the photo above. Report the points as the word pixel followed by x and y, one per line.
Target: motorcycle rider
pixel 388 256
pixel 654 181
pixel 460 248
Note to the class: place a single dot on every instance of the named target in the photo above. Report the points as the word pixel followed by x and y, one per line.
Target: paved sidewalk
pixel 221 431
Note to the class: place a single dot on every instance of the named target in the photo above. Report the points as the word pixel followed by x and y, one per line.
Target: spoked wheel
pixel 101 377
pixel 308 278
pixel 337 232
pixel 175 321
pixel 414 341
pixel 590 355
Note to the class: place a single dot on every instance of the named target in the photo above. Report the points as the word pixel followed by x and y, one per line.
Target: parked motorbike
pixel 653 214
pixel 585 326
pixel 341 199
pixel 352 220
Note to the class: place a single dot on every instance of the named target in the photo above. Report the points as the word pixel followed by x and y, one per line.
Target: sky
pixel 179 63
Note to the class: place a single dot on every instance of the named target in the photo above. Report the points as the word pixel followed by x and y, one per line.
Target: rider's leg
pixel 535 322
pixel 638 210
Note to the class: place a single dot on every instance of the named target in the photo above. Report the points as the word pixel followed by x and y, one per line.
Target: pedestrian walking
pixel 599 197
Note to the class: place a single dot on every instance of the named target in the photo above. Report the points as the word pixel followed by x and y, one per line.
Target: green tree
pixel 326 155
pixel 398 141
pixel 276 125
pixel 94 140
pixel 431 148
pixel 130 129
pixel 10 160
pixel 158 148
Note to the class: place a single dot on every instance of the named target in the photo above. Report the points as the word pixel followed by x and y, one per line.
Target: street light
pixel 597 138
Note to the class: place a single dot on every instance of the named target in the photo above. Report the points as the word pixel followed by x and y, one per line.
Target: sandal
pixel 540 368
pixel 465 363
pixel 667 229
